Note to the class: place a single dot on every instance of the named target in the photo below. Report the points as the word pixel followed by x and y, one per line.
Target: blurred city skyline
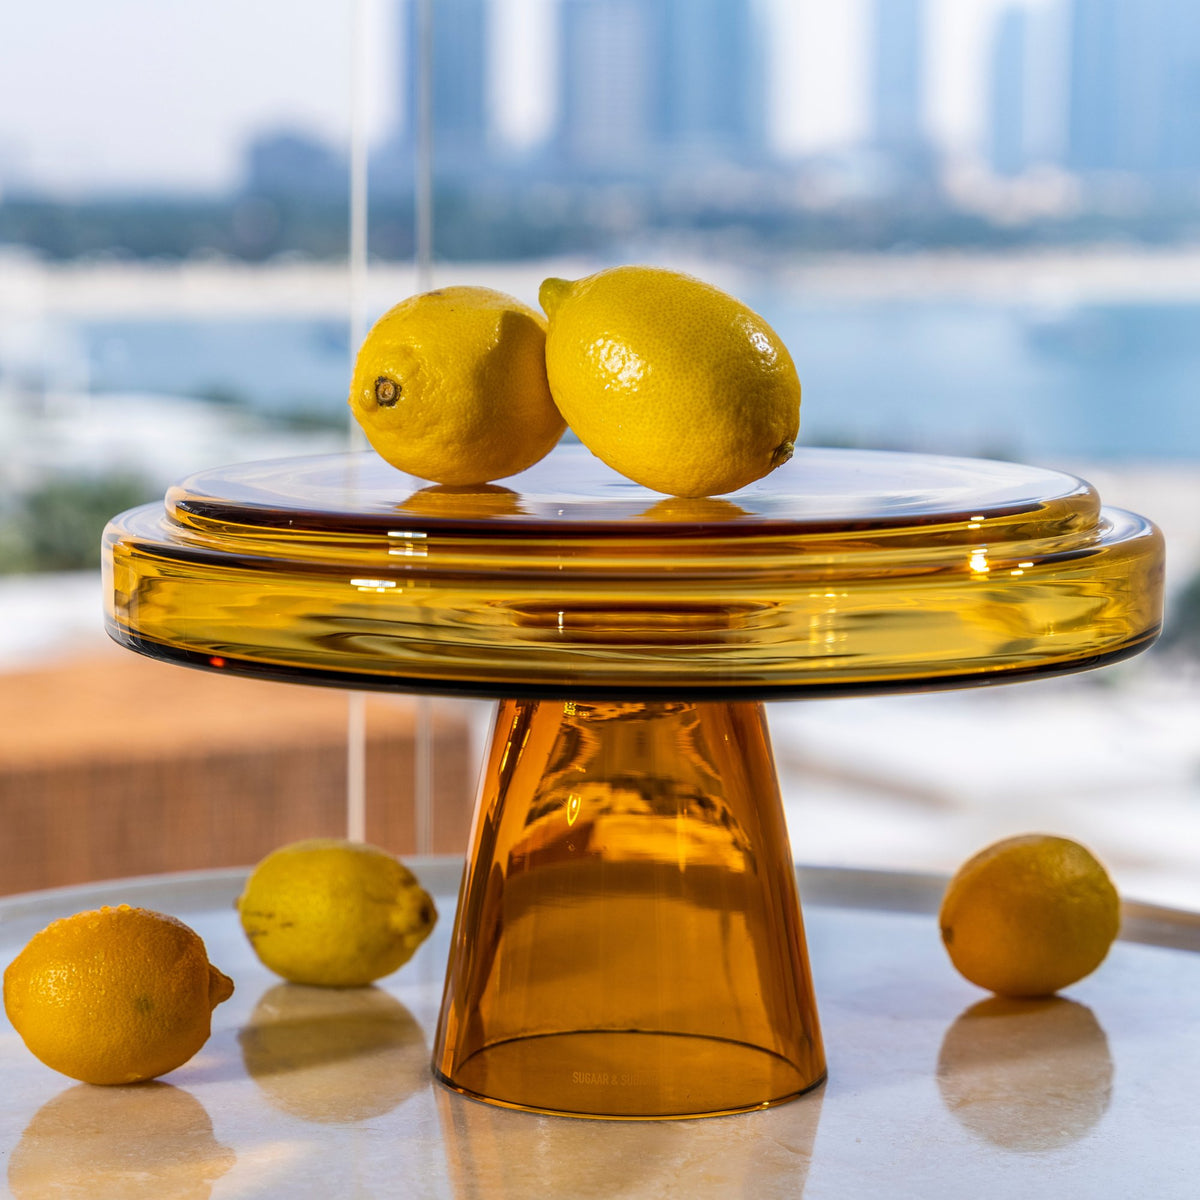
pixel 657 92
pixel 931 123
pixel 128 118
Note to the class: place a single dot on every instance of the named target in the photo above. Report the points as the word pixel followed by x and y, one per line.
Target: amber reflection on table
pixel 496 1154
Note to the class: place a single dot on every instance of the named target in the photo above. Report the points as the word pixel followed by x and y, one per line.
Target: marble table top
pixel 934 1088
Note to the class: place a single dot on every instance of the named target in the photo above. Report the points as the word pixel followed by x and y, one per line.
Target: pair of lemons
pixel 121 994
pixel 670 381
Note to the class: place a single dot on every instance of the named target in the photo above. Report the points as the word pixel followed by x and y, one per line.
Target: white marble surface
pixel 933 1091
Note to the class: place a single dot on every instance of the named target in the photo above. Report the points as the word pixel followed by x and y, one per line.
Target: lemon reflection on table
pixel 495 1153
pixel 694 510
pixel 141 1142
pixel 1026 1075
pixel 475 502
pixel 334 1055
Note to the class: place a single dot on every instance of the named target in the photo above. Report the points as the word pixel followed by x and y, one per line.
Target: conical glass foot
pixel 628 941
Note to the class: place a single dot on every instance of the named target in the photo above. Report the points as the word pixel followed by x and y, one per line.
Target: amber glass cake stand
pixel 628 939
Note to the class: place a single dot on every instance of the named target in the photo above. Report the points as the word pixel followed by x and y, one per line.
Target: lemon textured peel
pixel 670 381
pixel 334 913
pixel 1029 915
pixel 115 995
pixel 450 386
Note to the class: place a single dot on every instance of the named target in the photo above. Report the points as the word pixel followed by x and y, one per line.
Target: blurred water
pixel 270 364
pixel 1114 381
pixel 1096 382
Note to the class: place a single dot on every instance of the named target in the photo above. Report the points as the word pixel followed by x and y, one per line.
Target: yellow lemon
pixel 334 913
pixel 669 380
pixel 451 386
pixel 116 995
pixel 1029 915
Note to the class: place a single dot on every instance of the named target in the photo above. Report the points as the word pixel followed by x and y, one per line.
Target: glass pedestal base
pixel 629 941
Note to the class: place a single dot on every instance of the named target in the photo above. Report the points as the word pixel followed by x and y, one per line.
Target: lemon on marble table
pixel 669 380
pixel 450 386
pixel 115 995
pixel 334 913
pixel 1029 915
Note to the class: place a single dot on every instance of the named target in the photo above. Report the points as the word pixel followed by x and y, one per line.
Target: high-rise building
pixel 1134 88
pixel 459 82
pixel 1097 137
pixel 652 83
pixel 1007 90
pixel 293 163
pixel 1180 129
pixel 712 94
pixel 897 75
pixel 607 64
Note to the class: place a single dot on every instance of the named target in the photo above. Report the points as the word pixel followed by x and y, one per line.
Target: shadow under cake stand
pixel 628 941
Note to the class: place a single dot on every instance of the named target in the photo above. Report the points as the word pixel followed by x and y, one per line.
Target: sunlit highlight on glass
pixel 574 803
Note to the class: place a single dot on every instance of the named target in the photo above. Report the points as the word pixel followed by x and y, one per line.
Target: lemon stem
pixel 551 294
pixel 782 453
pixel 387 391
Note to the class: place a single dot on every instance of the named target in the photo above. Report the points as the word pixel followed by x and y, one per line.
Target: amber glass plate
pixel 842 571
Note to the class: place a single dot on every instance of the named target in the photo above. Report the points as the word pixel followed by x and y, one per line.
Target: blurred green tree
pixel 1182 627
pixel 57 525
